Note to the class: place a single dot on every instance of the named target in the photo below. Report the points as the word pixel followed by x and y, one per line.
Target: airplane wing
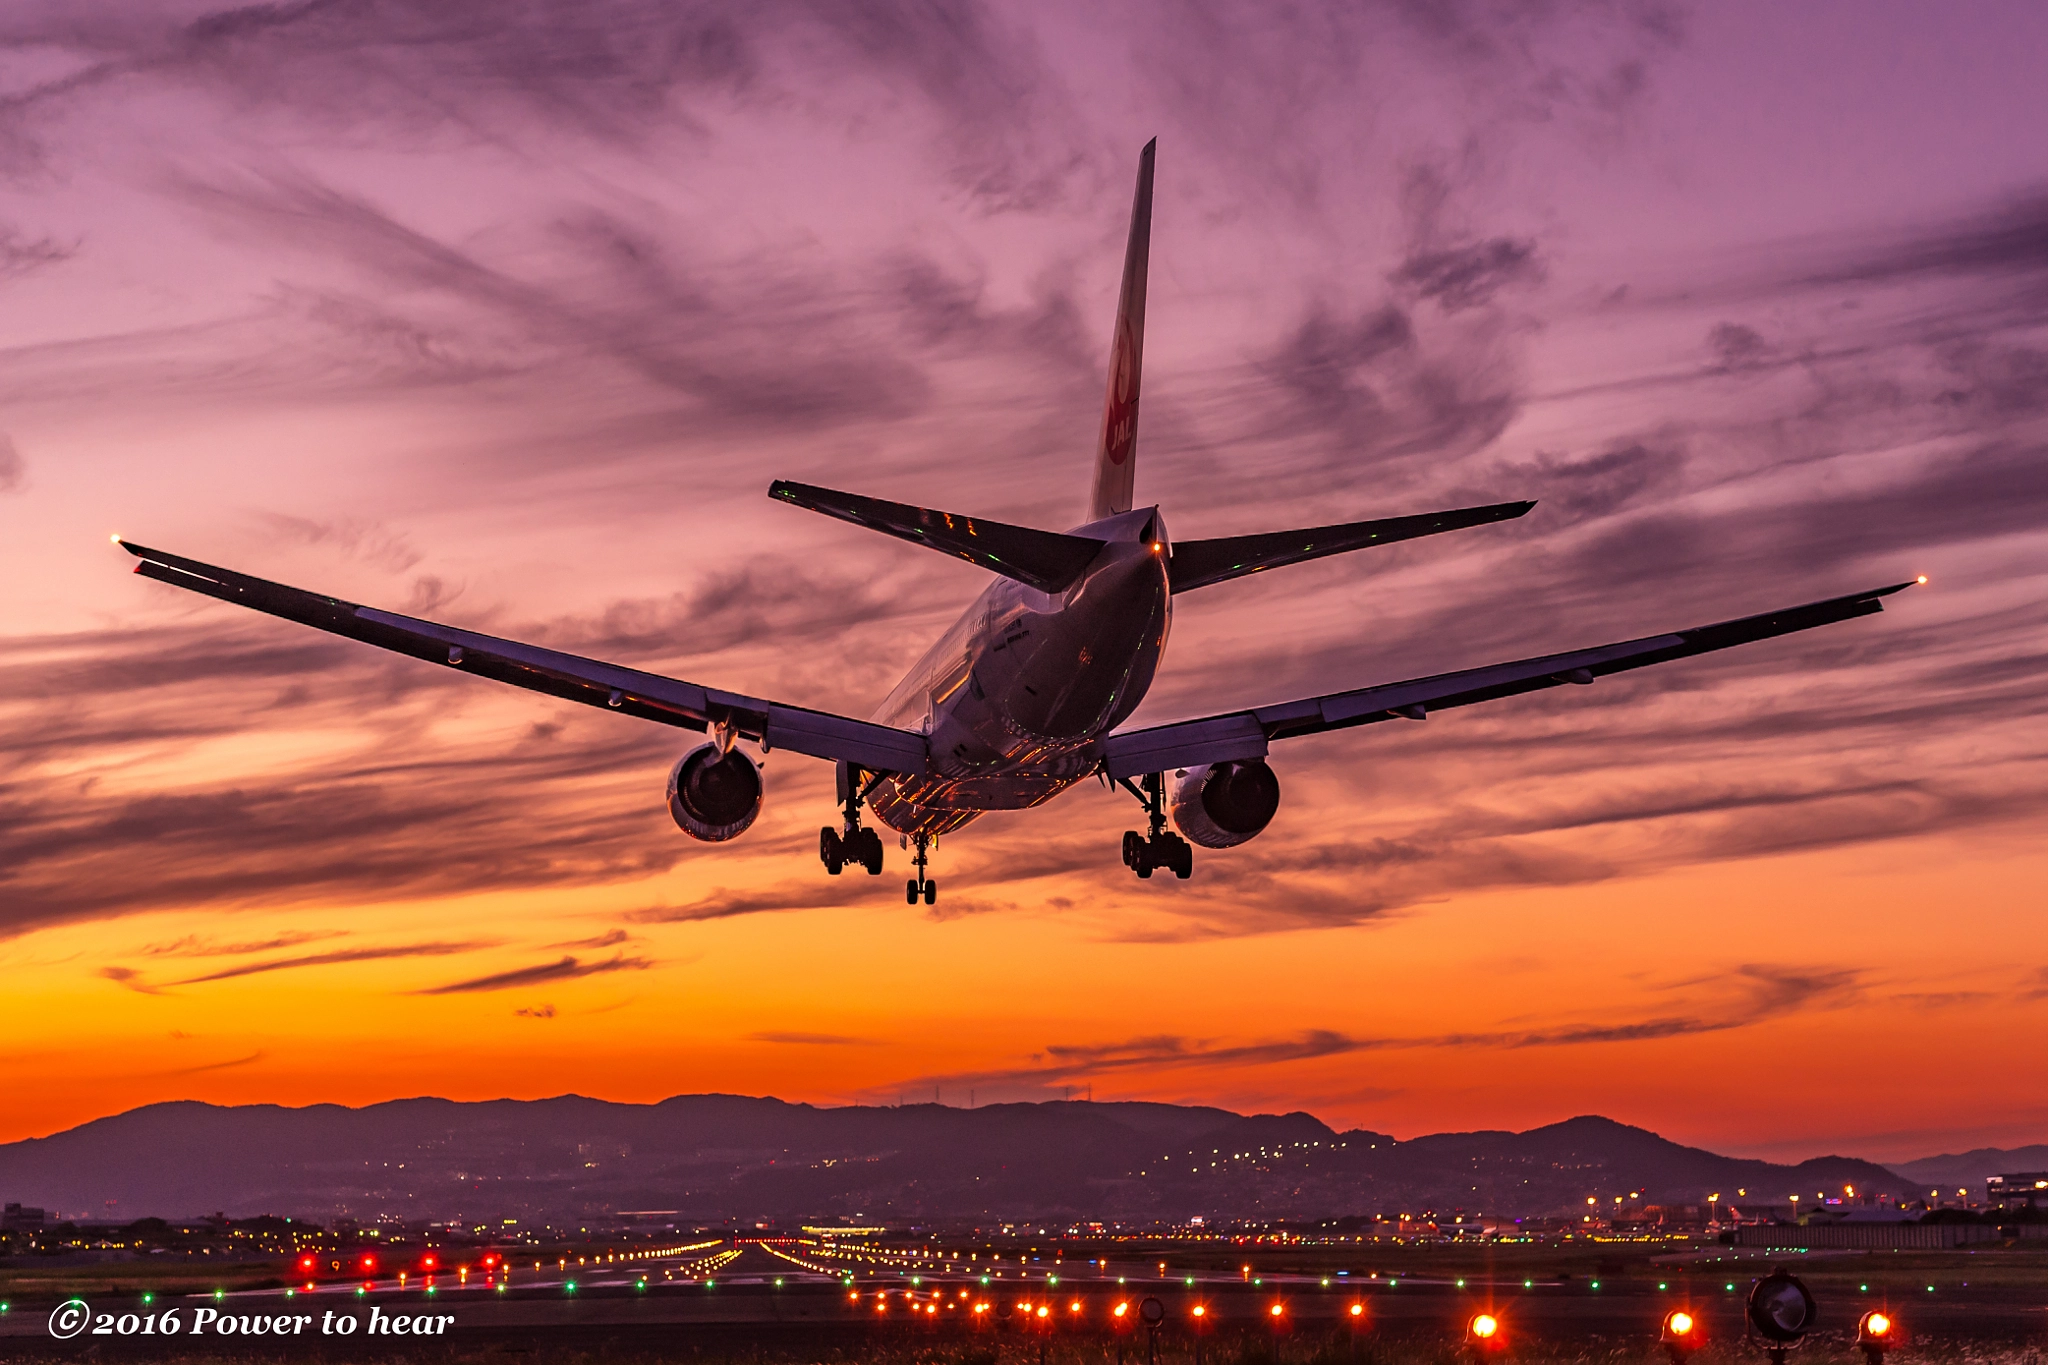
pixel 1245 734
pixel 649 696
pixel 1198 563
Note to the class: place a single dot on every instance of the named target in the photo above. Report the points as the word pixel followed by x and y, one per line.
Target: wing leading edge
pixel 1246 734
pixel 571 677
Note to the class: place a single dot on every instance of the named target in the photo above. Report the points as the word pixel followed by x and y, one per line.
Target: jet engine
pixel 714 796
pixel 1220 805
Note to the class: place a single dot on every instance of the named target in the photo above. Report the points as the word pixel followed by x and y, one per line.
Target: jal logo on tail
pixel 1120 414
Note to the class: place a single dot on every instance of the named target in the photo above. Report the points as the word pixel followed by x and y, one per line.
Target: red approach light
pixel 1483 1331
pixel 1120 1310
pixel 1680 1336
pixel 1875 1334
pixel 305 1262
pixel 1357 1310
pixel 369 1262
pixel 427 1261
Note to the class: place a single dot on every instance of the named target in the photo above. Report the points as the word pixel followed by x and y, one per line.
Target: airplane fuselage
pixel 1015 693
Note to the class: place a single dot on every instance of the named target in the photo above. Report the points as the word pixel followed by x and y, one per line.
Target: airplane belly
pixel 982 760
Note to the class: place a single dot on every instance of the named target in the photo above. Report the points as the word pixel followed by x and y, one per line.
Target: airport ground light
pixel 1680 1335
pixel 1876 1334
pixel 1485 1336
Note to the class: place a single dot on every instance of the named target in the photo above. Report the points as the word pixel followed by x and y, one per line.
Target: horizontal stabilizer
pixel 1045 560
pixel 1198 563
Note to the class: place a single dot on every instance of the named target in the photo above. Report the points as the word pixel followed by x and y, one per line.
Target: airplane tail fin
pixel 1116 455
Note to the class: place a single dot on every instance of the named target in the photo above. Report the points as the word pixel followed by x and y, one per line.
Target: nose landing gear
pixel 1155 849
pixel 852 843
pixel 921 885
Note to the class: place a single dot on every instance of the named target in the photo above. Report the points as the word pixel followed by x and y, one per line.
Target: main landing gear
pixel 852 843
pixel 1145 853
pixel 921 885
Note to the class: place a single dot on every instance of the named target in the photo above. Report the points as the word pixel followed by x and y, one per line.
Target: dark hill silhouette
pixel 714 1157
pixel 1968 1169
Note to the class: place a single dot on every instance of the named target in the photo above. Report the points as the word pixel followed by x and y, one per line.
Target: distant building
pixel 24 1217
pixel 2013 1190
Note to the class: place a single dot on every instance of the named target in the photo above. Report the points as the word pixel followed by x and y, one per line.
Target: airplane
pixel 1023 696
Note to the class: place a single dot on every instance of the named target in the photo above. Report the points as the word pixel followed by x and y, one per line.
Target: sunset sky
pixel 506 316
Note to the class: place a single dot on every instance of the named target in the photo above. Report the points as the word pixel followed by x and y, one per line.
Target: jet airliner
pixel 1025 695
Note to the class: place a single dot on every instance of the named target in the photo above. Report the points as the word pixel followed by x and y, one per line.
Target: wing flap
pixel 1045 560
pixel 1199 563
pixel 1242 734
pixel 571 677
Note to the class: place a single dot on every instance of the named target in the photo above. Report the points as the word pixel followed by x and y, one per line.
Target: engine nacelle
pixel 1220 805
pixel 713 796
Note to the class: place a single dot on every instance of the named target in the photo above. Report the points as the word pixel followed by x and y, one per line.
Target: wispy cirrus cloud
pixel 339 957
pixel 566 968
pixel 131 979
pixel 790 1038
pixel 200 945
pixel 1763 992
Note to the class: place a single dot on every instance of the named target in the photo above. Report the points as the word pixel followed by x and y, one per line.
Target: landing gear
pixel 921 885
pixel 1155 849
pixel 861 848
pixel 852 842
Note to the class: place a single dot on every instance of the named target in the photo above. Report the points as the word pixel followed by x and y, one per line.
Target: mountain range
pixel 713 1158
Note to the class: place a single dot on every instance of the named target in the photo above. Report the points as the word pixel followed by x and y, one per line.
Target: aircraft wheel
pixel 831 851
pixel 871 852
pixel 1135 853
pixel 1172 851
pixel 931 893
pixel 910 892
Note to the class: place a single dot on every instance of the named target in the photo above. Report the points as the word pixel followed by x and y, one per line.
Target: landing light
pixel 1780 1308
